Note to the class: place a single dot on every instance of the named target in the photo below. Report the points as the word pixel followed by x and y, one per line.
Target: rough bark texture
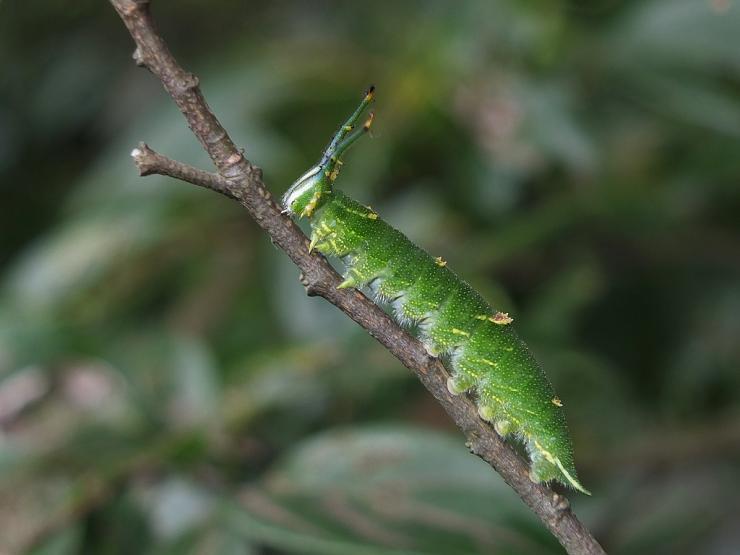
pixel 238 179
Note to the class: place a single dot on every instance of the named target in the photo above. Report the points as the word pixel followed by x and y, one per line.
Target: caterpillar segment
pixel 477 344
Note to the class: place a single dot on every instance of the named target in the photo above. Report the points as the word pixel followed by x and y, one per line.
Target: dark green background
pixel 167 387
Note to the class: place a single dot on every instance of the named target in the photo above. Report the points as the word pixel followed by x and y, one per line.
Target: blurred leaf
pixel 175 506
pixel 386 490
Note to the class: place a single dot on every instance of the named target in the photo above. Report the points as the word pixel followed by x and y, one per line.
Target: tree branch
pixel 241 180
pixel 150 162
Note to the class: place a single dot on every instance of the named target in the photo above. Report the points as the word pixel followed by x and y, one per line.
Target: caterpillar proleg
pixel 481 350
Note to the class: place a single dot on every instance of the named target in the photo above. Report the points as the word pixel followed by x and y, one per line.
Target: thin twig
pixel 150 162
pixel 243 181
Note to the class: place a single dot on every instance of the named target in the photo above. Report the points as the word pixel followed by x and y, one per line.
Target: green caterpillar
pixel 481 350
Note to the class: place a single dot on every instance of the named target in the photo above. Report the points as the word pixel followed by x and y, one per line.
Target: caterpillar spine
pixel 480 348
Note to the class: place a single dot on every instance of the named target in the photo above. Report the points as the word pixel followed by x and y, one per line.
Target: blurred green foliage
pixel 166 386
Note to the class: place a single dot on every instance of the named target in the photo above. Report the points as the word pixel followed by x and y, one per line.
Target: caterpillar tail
pixel 571 480
pixel 565 477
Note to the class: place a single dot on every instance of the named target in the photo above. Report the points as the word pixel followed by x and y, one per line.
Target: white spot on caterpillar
pixel 557 402
pixel 441 262
pixel 136 153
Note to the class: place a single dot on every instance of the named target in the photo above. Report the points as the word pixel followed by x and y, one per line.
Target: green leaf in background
pixel 386 490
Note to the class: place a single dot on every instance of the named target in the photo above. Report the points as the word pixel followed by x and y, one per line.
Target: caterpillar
pixel 477 344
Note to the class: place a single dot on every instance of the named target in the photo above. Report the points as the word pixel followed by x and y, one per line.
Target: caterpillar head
pixel 310 191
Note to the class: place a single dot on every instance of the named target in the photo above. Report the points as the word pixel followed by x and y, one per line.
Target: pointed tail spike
pixel 573 482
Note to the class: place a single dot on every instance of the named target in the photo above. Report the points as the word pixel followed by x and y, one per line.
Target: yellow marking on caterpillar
pixel 557 402
pixel 311 206
pixel 334 246
pixel 482 317
pixel 530 412
pixel 460 332
pixel 501 318
pixel 369 120
pixel 544 452
pixel 465 368
pixel 369 215
pixel 509 348
pixel 497 399
pixel 312 244
pixel 488 362
pixel 506 387
pixel 441 262
pixel 325 227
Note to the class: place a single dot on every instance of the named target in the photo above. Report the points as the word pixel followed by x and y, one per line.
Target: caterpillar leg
pixel 361 270
pixel 503 427
pixel 494 415
pixel 460 383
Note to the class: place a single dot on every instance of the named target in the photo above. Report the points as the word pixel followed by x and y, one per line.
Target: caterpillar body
pixel 478 345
